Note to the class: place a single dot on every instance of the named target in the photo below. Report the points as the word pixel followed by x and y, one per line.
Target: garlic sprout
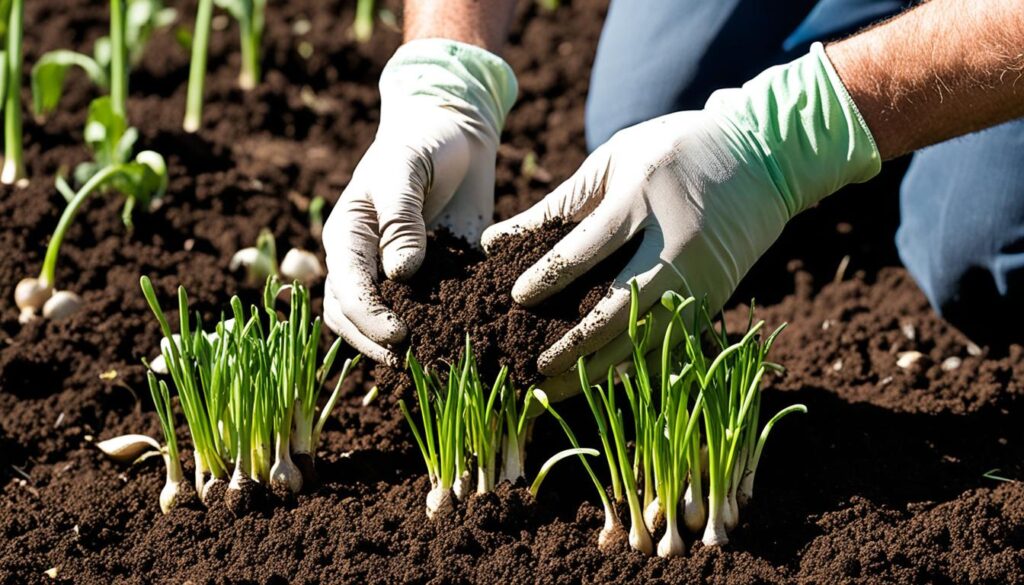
pixel 244 387
pixel 665 474
pixel 467 428
pixel 10 91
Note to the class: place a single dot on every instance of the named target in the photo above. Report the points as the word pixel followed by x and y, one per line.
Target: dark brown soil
pixel 458 292
pixel 883 481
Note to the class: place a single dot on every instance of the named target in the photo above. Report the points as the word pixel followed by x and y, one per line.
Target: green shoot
pixel 483 420
pixel 612 532
pixel 197 68
pixel 467 425
pixel 140 181
pixel 14 163
pixel 244 385
pixel 131 26
pixel 544 469
pixel 362 26
pixel 441 438
pixel 175 476
pixel 316 216
pixel 672 390
pixel 249 14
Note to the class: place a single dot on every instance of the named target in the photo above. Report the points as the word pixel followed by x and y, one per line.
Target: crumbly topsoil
pixel 881 482
pixel 459 291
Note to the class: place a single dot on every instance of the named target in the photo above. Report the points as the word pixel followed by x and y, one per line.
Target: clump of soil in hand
pixel 458 290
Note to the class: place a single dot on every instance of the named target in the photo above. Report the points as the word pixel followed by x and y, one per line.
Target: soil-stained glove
pixel 443 105
pixel 708 191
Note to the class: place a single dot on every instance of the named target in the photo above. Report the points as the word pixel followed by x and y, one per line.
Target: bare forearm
pixel 483 23
pixel 941 70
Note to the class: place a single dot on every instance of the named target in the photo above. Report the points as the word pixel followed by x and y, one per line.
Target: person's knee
pixel 962 230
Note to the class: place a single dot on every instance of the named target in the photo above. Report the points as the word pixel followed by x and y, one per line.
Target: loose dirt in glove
pixel 458 292
pixel 881 482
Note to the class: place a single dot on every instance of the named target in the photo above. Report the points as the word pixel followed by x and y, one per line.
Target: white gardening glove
pixel 443 105
pixel 708 191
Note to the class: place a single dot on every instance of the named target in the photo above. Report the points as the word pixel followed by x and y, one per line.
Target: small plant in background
pixel 260 262
pixel 250 17
pixel 465 428
pixel 197 67
pixel 362 26
pixel 316 217
pixel 141 181
pixel 248 390
pixel 131 26
pixel 662 477
pixel 10 88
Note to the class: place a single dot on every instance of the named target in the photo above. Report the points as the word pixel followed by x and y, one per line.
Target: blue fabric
pixel 962 230
pixel 962 202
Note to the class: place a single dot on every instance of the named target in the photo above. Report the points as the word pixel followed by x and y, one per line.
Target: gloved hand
pixel 708 191
pixel 443 105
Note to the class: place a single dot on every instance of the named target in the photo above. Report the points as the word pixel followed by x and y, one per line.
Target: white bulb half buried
pixel 612 532
pixel 693 511
pixel 301 265
pixel 653 514
pixel 31 294
pixel 62 305
pixel 439 501
pixel 127 448
pixel 640 539
pixel 671 545
pixel 257 266
pixel 461 488
pixel 714 532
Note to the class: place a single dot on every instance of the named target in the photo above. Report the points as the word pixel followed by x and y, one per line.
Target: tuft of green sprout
pixel 468 426
pixel 10 90
pixel 362 26
pixel 250 17
pixel 249 390
pixel 672 393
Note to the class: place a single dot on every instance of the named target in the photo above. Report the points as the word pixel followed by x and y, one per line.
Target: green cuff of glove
pixel 812 137
pixel 455 74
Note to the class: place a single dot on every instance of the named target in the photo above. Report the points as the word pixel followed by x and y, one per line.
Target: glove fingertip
pixel 401 264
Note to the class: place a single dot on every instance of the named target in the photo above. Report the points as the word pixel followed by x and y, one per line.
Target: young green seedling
pixel 175 476
pixel 197 67
pixel 131 26
pixel 249 390
pixel 467 424
pixel 362 26
pixel 442 438
pixel 10 87
pixel 249 14
pixel 141 181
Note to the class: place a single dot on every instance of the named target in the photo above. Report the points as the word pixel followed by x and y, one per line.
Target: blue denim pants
pixel 961 231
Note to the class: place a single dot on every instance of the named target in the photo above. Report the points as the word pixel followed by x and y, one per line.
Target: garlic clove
pixel 159 365
pixel 301 265
pixel 257 266
pixel 127 448
pixel 31 294
pixel 62 305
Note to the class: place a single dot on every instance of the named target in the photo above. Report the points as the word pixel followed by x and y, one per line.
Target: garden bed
pixel 882 481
